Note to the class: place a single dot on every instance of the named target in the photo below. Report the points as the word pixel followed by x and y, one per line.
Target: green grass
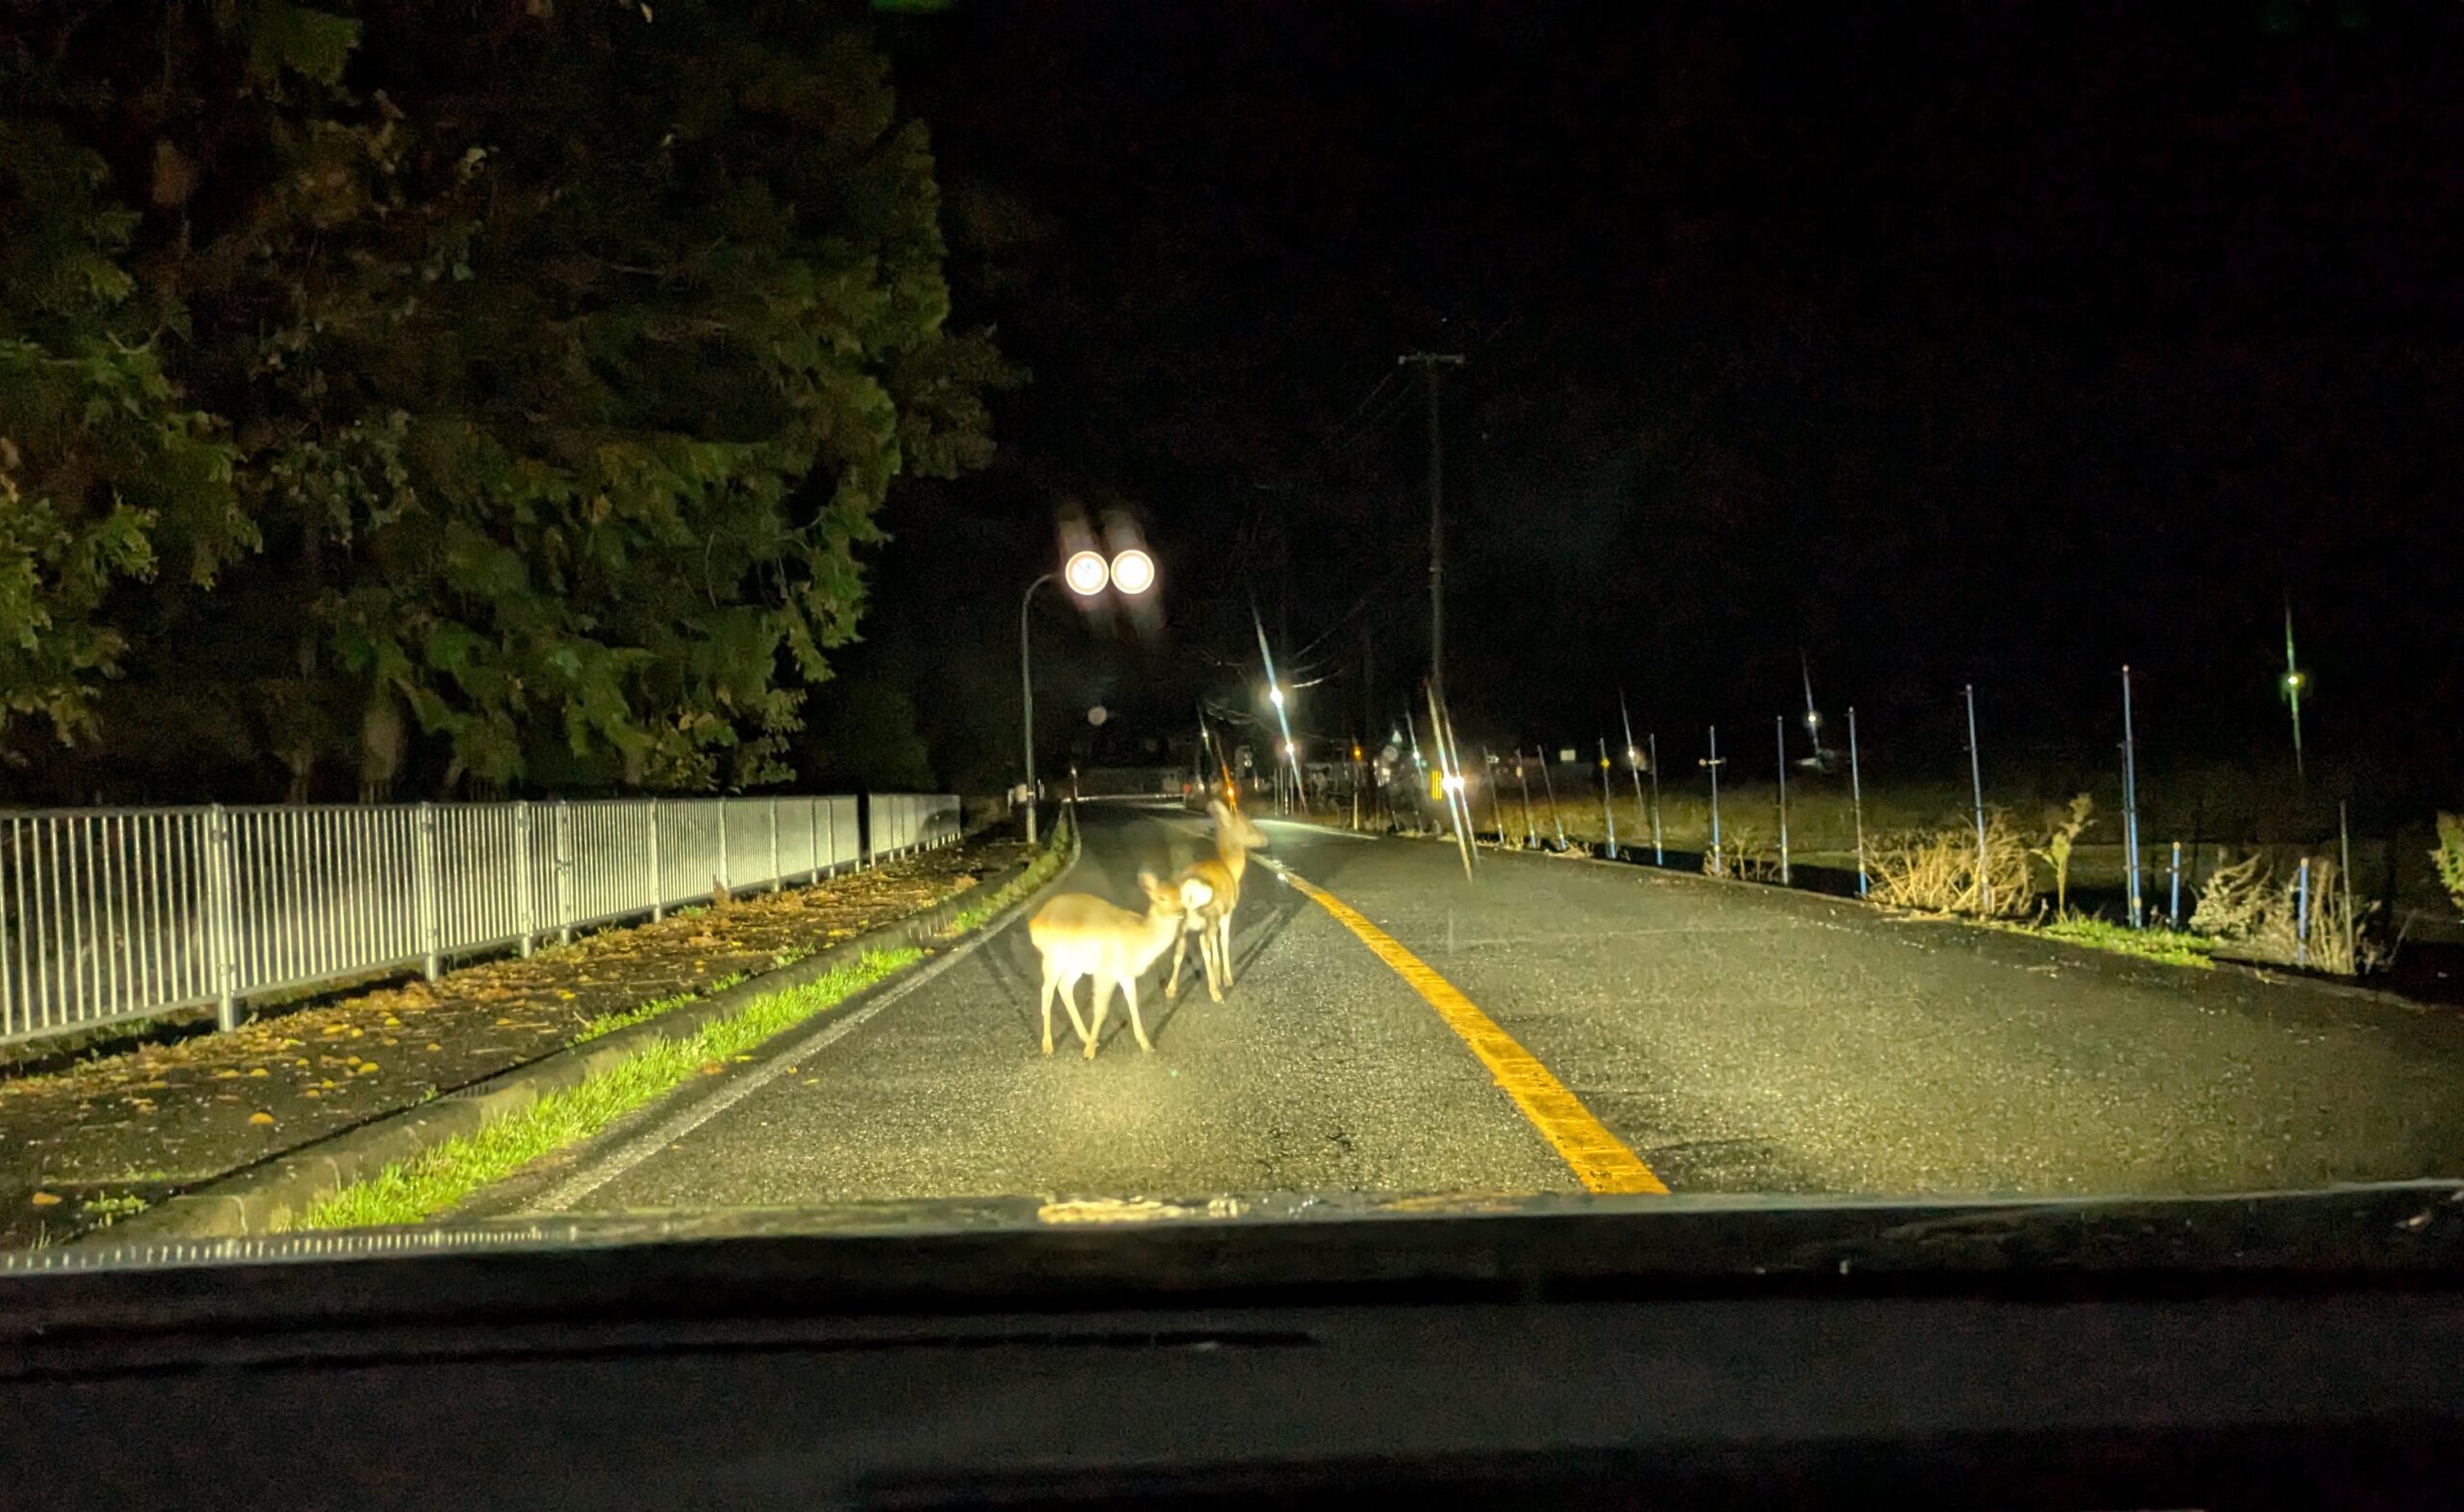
pixel 626 1018
pixel 1054 856
pixel 2172 947
pixel 438 1180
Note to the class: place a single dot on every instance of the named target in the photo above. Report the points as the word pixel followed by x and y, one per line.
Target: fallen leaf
pixel 311 1093
pixel 562 994
pixel 46 1199
pixel 367 1068
pixel 712 1069
pixel 260 1071
pixel 261 1119
pixel 434 1045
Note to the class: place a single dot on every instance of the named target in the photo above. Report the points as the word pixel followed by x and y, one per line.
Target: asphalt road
pixel 1737 1039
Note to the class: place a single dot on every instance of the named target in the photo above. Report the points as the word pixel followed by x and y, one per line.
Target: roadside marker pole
pixel 2130 803
pixel 1856 800
pixel 1548 785
pixel 1976 785
pixel 2301 914
pixel 2343 845
pixel 1780 723
pixel 1523 779
pixel 1634 769
pixel 2174 911
pixel 1712 763
pixel 1659 858
pixel 1607 815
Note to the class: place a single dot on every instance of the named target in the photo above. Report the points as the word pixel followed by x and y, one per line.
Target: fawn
pixel 1211 921
pixel 1079 936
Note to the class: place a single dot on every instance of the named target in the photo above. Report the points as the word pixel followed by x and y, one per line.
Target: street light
pixel 1133 572
pixel 1274 695
pixel 1086 573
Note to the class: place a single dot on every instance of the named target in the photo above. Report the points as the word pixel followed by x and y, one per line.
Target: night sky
pixel 1939 344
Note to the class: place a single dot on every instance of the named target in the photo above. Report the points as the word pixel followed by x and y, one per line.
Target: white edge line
pixel 1306 828
pixel 821 1037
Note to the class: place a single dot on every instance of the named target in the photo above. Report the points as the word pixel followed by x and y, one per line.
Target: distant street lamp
pixel 1086 573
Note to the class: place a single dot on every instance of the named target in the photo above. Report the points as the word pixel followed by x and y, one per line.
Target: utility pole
pixel 1282 492
pixel 1429 364
pixel 1367 683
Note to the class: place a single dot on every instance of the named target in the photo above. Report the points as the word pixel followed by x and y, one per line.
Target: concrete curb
pixel 261 1198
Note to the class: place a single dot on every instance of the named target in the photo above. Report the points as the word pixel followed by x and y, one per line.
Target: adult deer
pixel 1080 936
pixel 1211 921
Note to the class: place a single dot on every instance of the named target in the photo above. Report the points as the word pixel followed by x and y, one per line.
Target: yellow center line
pixel 1601 1161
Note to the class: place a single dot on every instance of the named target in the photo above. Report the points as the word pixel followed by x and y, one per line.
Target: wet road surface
pixel 1734 1038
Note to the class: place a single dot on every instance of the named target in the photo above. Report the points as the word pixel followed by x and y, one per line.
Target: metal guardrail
pixel 108 914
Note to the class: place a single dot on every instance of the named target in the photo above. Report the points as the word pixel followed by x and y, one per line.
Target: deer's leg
pixel 1212 949
pixel 1069 1001
pixel 1180 947
pixel 1137 1025
pixel 1098 1009
pixel 1223 951
pixel 1047 1012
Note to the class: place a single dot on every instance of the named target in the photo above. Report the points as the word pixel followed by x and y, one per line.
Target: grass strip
pixel 2170 947
pixel 1047 862
pixel 626 1018
pixel 440 1179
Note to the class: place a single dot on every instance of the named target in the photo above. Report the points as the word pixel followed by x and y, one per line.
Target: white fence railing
pixel 118 913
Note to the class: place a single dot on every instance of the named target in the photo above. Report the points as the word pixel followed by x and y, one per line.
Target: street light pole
pixel 1027 699
pixel 1131 573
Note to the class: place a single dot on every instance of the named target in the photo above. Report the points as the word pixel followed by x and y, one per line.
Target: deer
pixel 1211 921
pixel 1080 935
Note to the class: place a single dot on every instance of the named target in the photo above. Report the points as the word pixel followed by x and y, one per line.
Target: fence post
pixel 776 881
pixel 658 870
pixel 522 872
pixel 564 872
pixel 722 880
pixel 222 936
pixel 424 869
pixel 2173 908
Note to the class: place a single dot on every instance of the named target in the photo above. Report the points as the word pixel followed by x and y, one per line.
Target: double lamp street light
pixel 1086 573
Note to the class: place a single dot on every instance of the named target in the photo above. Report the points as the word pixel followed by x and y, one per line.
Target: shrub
pixel 2257 915
pixel 2064 832
pixel 2450 857
pixel 1936 871
pixel 1741 854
